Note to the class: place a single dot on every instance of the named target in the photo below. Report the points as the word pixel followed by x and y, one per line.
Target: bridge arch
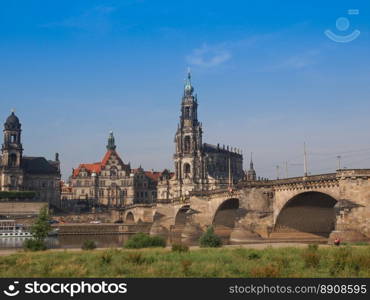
pixel 130 218
pixel 226 213
pixel 308 212
pixel 181 215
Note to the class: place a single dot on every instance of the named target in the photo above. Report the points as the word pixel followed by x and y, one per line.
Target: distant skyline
pixel 267 77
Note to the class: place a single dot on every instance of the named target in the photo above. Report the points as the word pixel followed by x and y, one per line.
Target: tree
pixel 41 228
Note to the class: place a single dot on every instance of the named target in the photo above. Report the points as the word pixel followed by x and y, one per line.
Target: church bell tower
pixel 188 139
pixel 12 152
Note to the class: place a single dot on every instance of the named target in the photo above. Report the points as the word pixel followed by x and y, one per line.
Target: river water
pixel 76 241
pixel 69 241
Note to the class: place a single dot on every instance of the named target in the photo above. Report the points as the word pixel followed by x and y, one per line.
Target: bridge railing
pixel 183 199
pixel 209 192
pixel 293 180
pixel 129 206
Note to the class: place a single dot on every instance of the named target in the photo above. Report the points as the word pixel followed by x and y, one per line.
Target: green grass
pixel 205 262
pixel 144 240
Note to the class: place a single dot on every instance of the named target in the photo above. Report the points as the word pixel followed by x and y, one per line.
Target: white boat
pixel 9 228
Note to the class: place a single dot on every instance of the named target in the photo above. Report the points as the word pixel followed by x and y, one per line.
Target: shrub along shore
pixel 311 261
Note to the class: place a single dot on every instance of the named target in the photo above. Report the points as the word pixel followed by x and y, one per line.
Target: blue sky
pixel 267 78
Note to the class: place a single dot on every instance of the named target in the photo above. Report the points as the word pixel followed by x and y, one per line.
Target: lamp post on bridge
pixel 339 162
pixel 305 159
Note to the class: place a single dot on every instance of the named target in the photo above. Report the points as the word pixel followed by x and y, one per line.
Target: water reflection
pixel 69 241
pixel 102 241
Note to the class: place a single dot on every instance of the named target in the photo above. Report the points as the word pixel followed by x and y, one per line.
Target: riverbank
pixel 259 246
pixel 274 260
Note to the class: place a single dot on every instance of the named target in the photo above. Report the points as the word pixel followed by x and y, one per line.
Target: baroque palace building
pixel 111 182
pixel 25 173
pixel 198 166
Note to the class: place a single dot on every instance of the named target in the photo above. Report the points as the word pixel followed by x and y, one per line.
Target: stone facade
pixel 24 173
pixel 198 166
pixel 113 183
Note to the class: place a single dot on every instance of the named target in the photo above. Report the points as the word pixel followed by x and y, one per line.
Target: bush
pixel 180 248
pixel 143 240
pixel 136 258
pixel 341 257
pixel 88 245
pixel 185 265
pixel 34 245
pixel 311 259
pixel 283 262
pixel 254 255
pixel 210 239
pixel 17 194
pixel 311 256
pixel 269 271
pixel 106 257
pixel 313 247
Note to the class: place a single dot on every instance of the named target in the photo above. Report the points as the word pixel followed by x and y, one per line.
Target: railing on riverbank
pixel 98 229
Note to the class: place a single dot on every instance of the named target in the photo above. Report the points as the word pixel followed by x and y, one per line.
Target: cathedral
pixel 198 166
pixel 24 173
pixel 113 183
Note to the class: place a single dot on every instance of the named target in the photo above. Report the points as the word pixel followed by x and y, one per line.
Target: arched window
pixel 187 144
pixel 13 181
pixel 113 172
pixel 13 138
pixel 187 170
pixel 13 160
pixel 187 112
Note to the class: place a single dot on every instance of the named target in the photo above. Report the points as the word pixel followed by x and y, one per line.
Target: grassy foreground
pixel 223 262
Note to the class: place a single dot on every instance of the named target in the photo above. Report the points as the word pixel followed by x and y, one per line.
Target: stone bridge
pixel 312 208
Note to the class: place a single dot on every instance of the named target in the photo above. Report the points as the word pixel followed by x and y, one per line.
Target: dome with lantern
pixel 12 122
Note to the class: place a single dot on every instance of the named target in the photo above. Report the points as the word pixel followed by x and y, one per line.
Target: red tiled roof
pixel 108 155
pixel 153 175
pixel 96 167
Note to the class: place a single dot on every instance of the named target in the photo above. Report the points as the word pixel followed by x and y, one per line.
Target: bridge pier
pixel 243 235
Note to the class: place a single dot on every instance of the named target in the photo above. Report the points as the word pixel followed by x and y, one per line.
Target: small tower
pixel 251 174
pixel 12 149
pixel 111 142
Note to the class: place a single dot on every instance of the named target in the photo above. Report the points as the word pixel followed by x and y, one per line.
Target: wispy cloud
pixel 300 61
pixel 209 56
pixel 92 18
pixel 296 61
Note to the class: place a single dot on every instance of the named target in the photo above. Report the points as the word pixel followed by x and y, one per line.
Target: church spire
pixel 188 88
pixel 251 174
pixel 251 162
pixel 111 142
